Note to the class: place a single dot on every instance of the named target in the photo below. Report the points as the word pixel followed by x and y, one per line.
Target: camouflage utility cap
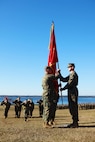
pixel 71 64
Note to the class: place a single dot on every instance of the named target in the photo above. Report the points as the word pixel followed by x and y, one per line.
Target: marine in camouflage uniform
pixel 72 82
pixel 31 107
pixel 40 102
pixel 48 95
pixel 18 107
pixel 7 107
pixel 26 109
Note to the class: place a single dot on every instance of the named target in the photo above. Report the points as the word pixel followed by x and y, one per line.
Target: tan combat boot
pixel 46 125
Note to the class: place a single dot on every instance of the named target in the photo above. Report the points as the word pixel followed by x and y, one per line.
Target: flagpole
pixel 59 68
pixel 53 57
pixel 60 85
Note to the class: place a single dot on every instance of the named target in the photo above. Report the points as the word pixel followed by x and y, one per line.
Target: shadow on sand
pixel 82 125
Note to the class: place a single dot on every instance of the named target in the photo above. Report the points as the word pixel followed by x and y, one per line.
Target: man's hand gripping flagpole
pixel 60 84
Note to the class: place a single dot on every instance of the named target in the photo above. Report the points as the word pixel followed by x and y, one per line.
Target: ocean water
pixel 62 100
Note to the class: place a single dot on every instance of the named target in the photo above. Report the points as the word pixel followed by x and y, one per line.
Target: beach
pixel 17 130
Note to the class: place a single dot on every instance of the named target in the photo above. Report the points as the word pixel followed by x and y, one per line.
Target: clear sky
pixel 24 39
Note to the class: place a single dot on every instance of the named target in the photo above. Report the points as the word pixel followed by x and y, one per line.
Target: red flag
pixel 53 58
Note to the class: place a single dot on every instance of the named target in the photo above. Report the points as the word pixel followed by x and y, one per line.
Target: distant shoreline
pixel 41 95
pixel 62 100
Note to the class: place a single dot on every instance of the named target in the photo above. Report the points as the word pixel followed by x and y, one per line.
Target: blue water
pixel 62 100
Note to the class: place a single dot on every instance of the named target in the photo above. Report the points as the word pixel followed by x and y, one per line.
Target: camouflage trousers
pixel 73 105
pixel 46 109
pixel 53 111
pixel 49 110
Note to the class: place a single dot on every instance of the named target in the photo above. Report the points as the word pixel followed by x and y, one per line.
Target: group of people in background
pixel 18 104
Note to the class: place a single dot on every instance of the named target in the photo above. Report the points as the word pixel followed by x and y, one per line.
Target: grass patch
pixel 17 130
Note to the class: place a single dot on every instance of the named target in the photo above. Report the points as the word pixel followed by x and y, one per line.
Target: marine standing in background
pixel 40 102
pixel 18 106
pixel 71 86
pixel 49 94
pixel 31 107
pixel 7 106
pixel 26 109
